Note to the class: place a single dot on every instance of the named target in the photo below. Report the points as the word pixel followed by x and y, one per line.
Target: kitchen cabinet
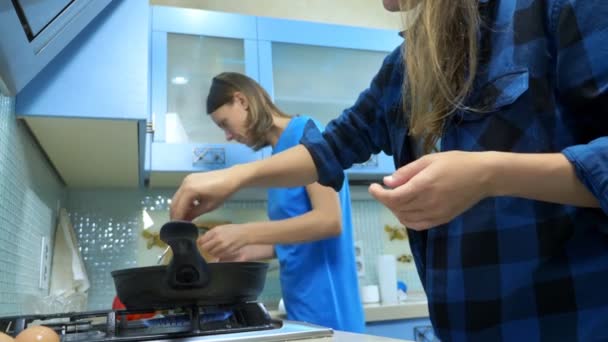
pixel 190 47
pixel 320 70
pixel 417 329
pixel 34 32
pixel 306 67
pixel 88 108
pixel 408 319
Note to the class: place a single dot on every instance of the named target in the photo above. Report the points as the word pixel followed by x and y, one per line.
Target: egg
pixel 6 338
pixel 37 334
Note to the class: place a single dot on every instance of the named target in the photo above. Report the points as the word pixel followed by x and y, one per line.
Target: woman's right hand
pixel 203 192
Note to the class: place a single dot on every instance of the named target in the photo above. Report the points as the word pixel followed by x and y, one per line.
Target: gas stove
pixel 248 321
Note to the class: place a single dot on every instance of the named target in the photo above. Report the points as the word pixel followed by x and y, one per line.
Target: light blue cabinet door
pixel 319 70
pixel 189 48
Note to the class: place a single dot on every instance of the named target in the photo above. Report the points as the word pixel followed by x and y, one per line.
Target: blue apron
pixel 318 279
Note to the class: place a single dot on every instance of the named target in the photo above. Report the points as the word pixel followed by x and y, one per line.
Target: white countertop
pixel 342 336
pixel 415 306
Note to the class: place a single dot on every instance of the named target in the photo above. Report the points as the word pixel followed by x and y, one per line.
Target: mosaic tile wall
pixel 369 220
pixel 110 226
pixel 29 191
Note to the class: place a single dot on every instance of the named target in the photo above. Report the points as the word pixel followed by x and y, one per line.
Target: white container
pixel 387 278
pixel 370 294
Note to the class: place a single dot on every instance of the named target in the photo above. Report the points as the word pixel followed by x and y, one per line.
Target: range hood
pixel 34 32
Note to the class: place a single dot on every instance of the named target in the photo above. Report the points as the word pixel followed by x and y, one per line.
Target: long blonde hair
pixel 441 58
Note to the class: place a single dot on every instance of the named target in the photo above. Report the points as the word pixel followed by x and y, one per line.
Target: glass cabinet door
pixel 321 81
pixel 189 48
pixel 192 61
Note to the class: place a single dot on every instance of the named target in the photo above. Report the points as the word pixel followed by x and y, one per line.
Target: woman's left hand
pixel 224 241
pixel 435 188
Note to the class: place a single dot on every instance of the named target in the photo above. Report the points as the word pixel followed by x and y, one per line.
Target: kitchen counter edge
pixel 342 336
pixel 415 306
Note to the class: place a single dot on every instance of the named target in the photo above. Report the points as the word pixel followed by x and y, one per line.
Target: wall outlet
pixel 359 259
pixel 360 267
pixel 45 264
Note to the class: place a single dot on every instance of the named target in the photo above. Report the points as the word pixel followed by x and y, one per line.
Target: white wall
pixel 366 13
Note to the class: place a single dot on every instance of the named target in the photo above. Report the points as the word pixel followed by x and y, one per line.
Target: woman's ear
pixel 242 100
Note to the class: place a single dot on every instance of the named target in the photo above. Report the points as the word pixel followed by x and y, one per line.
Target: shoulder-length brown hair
pixel 440 54
pixel 260 107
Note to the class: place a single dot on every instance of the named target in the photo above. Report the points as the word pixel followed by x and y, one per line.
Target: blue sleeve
pixel 580 33
pixel 361 130
pixel 591 164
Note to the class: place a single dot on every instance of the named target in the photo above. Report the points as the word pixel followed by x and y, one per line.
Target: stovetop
pixel 239 322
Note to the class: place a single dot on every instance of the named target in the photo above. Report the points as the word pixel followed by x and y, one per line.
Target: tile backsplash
pixel 369 219
pixel 29 191
pixel 109 226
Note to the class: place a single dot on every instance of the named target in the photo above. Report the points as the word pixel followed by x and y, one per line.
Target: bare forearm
pixel 308 227
pixel 546 177
pixel 293 167
pixel 259 252
pixel 250 253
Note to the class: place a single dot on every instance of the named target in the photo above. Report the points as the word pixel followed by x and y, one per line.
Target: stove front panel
pixel 290 331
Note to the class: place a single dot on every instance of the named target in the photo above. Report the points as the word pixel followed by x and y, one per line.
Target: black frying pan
pixel 188 279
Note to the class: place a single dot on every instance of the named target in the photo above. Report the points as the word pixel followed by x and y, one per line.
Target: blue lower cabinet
pixel 419 329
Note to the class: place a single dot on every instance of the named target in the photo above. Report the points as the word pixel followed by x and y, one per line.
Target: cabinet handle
pixel 208 156
pixel 150 126
pixel 198 157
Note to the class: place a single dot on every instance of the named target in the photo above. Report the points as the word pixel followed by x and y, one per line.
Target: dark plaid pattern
pixel 508 269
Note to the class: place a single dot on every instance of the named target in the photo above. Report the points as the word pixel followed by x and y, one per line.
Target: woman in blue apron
pixel 310 231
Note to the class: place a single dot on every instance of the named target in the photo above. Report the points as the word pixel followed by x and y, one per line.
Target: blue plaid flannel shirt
pixel 508 269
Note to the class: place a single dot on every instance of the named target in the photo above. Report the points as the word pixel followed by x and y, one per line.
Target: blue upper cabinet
pixel 103 74
pixel 89 106
pixel 189 48
pixel 308 68
pixel 34 32
pixel 320 70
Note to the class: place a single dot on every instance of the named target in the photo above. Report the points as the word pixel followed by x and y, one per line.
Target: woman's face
pixel 232 119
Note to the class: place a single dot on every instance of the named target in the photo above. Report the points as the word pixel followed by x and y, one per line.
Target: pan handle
pixel 187 269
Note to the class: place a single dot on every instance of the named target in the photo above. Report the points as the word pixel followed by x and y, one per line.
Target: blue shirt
pixel 507 269
pixel 319 278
